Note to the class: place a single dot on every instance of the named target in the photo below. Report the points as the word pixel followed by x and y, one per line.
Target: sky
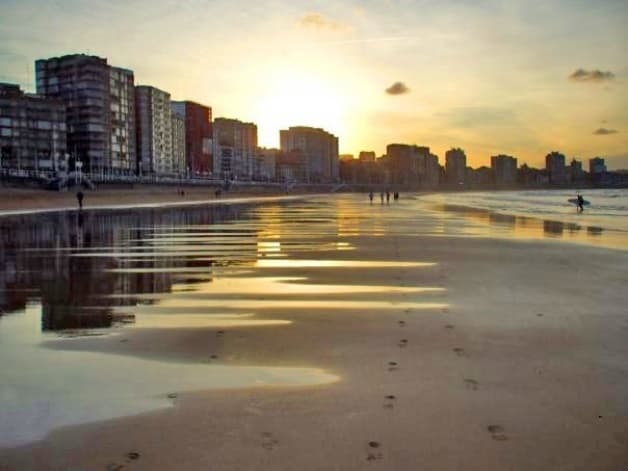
pixel 521 78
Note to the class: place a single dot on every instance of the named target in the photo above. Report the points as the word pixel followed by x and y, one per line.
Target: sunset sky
pixel 491 76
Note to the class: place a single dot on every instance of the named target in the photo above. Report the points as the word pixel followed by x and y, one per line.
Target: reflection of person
pixel 79 197
pixel 580 200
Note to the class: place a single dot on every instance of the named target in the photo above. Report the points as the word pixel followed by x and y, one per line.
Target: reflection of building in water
pixel 553 228
pixel 67 260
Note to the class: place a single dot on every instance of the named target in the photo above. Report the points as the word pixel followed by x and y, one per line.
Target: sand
pixel 16 200
pixel 525 368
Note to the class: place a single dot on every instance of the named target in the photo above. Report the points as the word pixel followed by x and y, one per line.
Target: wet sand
pixel 521 366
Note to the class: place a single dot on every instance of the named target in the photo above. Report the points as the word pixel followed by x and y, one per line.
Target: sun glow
pixel 299 98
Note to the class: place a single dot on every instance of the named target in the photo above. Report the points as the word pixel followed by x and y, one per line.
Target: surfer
pixel 580 202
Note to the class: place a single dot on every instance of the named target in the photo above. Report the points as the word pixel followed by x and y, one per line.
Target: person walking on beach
pixel 387 197
pixel 79 197
pixel 381 197
pixel 371 197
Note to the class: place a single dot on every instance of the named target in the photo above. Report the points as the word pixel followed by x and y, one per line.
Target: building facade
pixel 154 132
pixel 504 169
pixel 316 149
pixel 32 132
pixel 235 149
pixel 555 166
pixel 178 143
pixel 455 166
pixel 100 110
pixel 198 136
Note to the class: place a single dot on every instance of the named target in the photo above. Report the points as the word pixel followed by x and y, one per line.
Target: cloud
pixel 591 76
pixel 604 131
pixel 315 20
pixel 397 88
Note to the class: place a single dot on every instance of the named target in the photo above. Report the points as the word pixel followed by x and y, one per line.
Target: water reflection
pixel 490 223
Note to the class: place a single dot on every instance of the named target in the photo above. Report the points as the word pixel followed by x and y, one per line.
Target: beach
pixel 419 346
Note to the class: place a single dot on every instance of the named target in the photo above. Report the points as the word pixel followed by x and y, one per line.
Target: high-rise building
pixel 504 169
pixel 555 166
pixel 198 136
pixel 597 166
pixel 100 110
pixel 178 143
pixel 412 165
pixel 316 148
pixel 235 148
pixel 455 166
pixel 154 132
pixel 32 131
pixel 266 167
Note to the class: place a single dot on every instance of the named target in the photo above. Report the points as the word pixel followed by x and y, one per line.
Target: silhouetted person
pixel 387 197
pixel 371 197
pixel 79 197
pixel 396 195
pixel 218 192
pixel 580 200
pixel 381 197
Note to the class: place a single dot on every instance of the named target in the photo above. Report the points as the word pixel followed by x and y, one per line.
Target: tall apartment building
pixel 597 166
pixel 504 169
pixel 555 166
pixel 412 165
pixel 178 142
pixel 32 131
pixel 198 136
pixel 154 132
pixel 235 148
pixel 316 150
pixel 100 110
pixel 455 166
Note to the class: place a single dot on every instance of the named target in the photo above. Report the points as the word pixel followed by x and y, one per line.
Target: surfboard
pixel 575 201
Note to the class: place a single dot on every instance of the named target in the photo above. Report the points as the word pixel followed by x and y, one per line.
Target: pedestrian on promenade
pixel 79 197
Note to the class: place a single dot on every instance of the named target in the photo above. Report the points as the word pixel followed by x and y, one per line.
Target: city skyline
pixel 497 78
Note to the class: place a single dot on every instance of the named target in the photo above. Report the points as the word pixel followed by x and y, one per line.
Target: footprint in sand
pixel 132 456
pixel 390 401
pixel 471 384
pixel 403 343
pixel 402 323
pixel 497 432
pixel 114 467
pixel 372 451
pixel 392 366
pixel 268 441
pixel 460 352
pixel 449 326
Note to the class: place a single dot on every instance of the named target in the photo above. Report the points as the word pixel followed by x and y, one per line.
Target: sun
pixel 299 98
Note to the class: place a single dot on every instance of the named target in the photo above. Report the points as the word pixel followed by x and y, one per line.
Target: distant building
pixel 575 174
pixel 317 150
pixel 235 149
pixel 266 167
pixel 455 166
pixel 345 157
pixel 531 177
pixel 198 136
pixel 597 166
pixel 100 114
pixel 178 142
pixel 412 165
pixel 154 132
pixel 555 166
pixel 504 169
pixel 367 156
pixel 32 131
